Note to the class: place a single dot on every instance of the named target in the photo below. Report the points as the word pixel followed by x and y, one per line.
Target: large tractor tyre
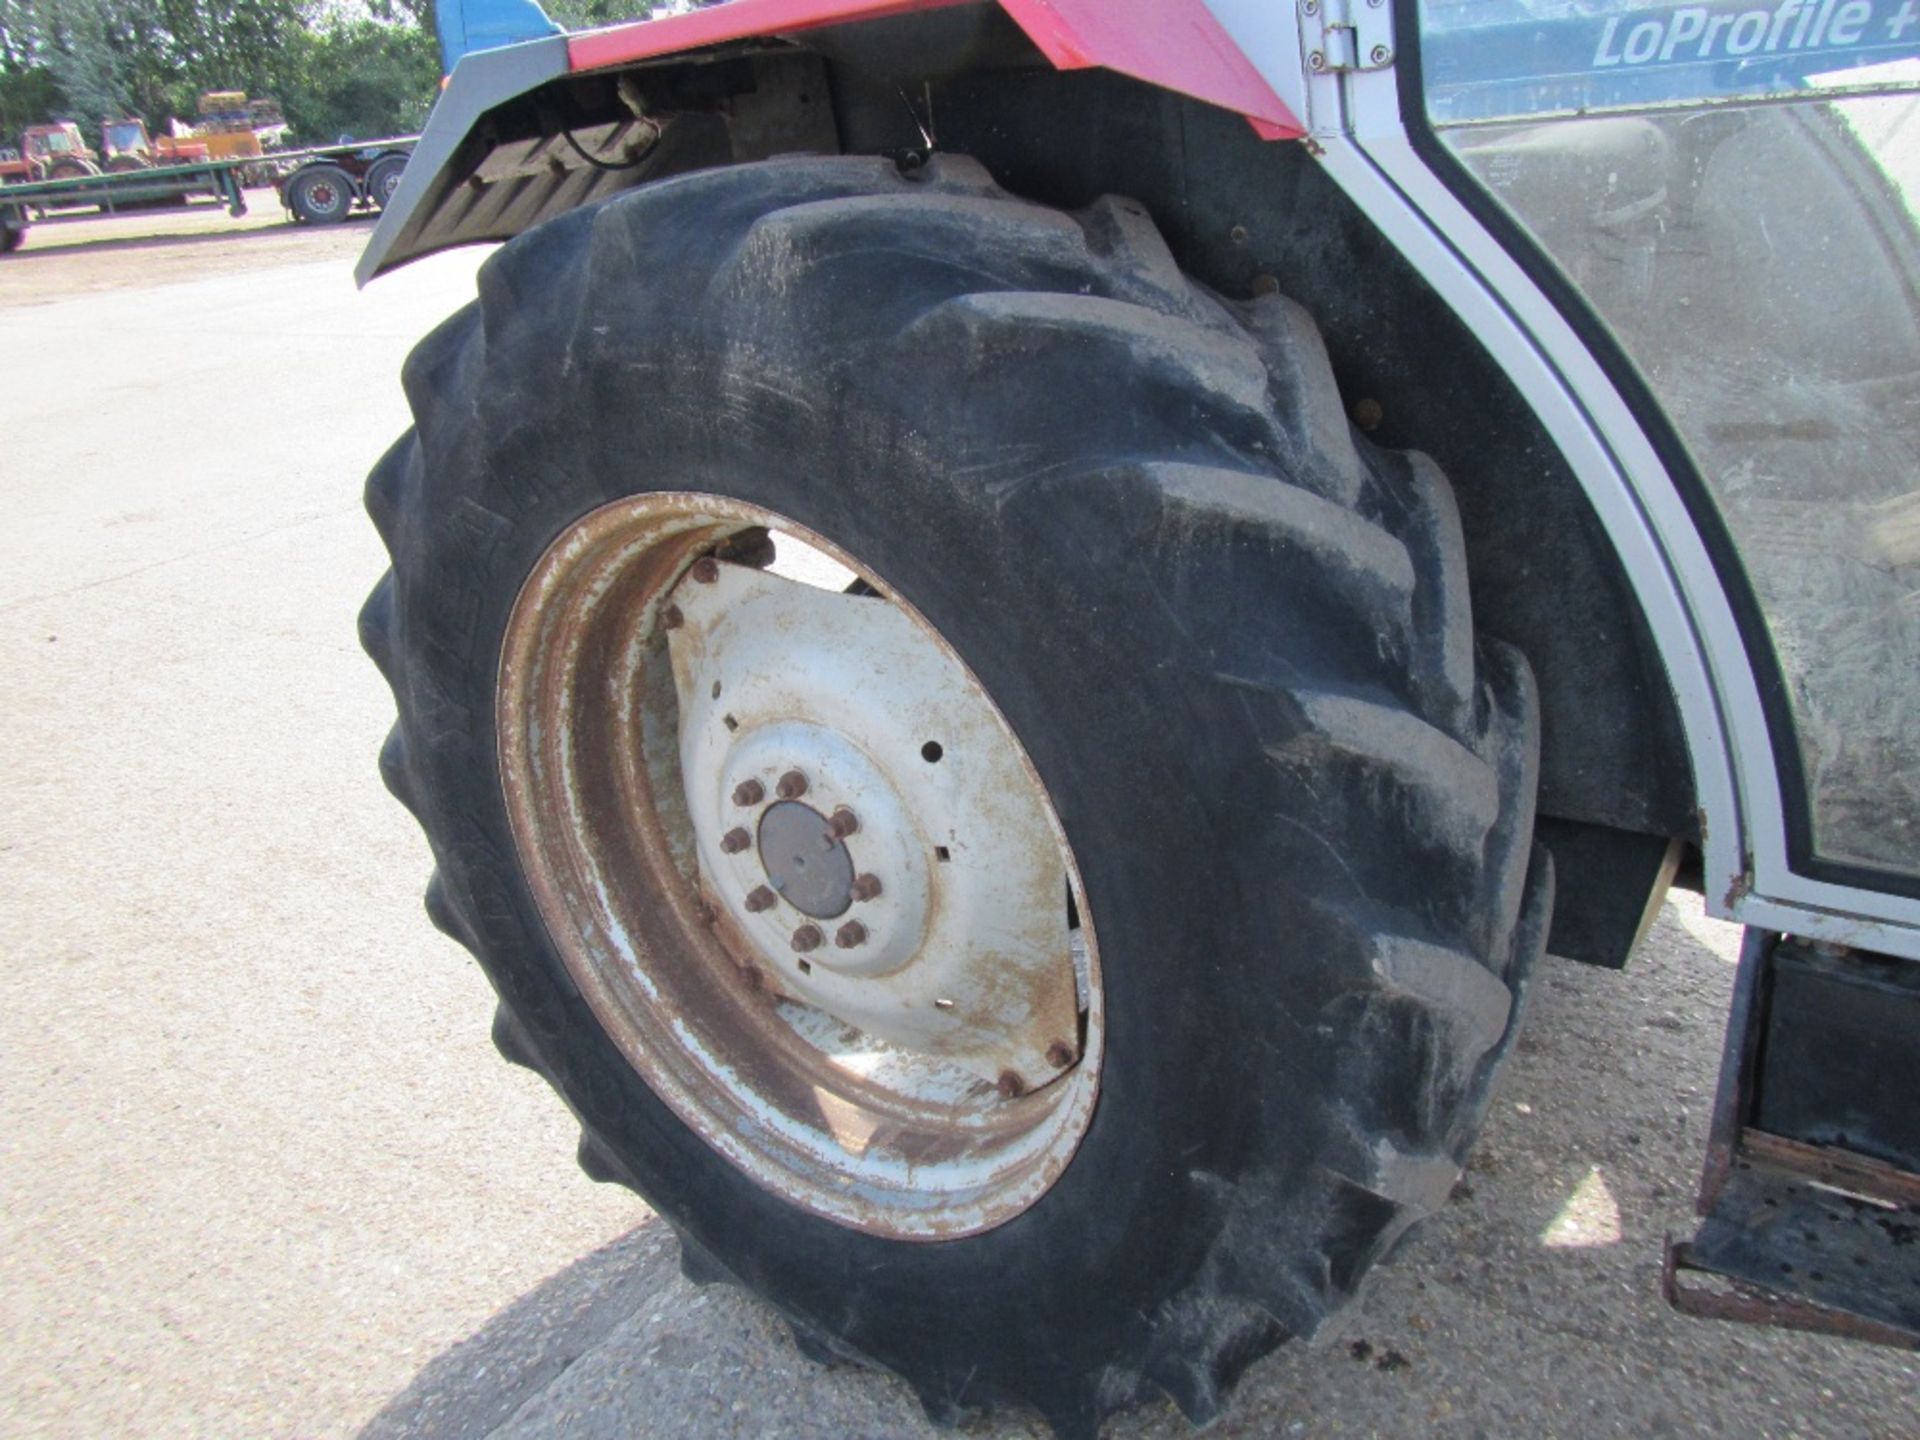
pixel 320 196
pixel 72 170
pixel 1184 823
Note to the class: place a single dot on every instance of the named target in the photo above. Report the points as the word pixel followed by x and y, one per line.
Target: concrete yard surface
pixel 262 1172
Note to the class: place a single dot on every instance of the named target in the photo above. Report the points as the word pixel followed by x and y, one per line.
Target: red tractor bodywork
pixel 1175 44
pixel 49 151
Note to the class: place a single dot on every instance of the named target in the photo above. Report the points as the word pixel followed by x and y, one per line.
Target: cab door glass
pixel 1735 190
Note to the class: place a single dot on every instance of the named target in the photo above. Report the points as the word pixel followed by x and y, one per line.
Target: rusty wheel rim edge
pixel 592 789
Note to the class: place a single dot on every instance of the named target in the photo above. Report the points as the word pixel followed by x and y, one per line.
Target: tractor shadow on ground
pixel 621 1344
pixel 1539 1283
pixel 480 1383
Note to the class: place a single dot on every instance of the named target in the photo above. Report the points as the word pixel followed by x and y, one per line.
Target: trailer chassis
pixel 114 192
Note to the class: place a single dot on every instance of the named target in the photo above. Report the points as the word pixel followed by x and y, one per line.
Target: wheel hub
pixel 840 777
pixel 872 754
pixel 807 863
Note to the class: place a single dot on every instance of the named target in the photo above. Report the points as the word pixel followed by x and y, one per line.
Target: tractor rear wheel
pixel 1182 824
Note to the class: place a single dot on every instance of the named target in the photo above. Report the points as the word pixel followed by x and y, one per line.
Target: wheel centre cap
pixel 807 864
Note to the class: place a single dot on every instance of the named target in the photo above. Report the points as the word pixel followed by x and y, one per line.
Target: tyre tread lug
pixel 511 1040
pixel 597 1161
pixel 397 771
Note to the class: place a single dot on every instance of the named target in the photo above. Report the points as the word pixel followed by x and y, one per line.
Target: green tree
pixel 360 67
pixel 359 77
pixel 189 46
pixel 585 14
pixel 147 57
pixel 28 91
pixel 83 49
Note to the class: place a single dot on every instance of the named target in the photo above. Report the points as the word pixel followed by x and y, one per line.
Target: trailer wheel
pixel 384 178
pixel 1181 821
pixel 322 195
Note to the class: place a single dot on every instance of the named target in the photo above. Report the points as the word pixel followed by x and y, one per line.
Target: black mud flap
pixel 1811 1194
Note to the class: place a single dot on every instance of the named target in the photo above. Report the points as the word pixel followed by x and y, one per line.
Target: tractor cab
pixel 123 140
pixel 128 146
pixel 56 152
pixel 48 145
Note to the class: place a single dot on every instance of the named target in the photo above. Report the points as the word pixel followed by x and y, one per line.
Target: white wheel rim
pixel 920 1062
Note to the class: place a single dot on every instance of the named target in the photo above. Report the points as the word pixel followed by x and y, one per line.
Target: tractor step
pixel 1811 1195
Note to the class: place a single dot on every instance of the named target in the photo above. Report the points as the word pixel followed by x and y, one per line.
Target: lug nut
pixel 842 823
pixel 672 618
pixel 1059 1055
pixel 808 937
pixel 791 786
pixel 703 912
pixel 1011 1086
pixel 749 792
pixel 706 570
pixel 735 840
pixel 865 887
pixel 850 934
pixel 760 898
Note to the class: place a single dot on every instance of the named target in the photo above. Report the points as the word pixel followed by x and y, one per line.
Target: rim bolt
pixel 706 570
pixel 735 840
pixel 760 898
pixel 791 786
pixel 703 912
pixel 850 934
pixel 842 823
pixel 749 792
pixel 1011 1086
pixel 808 937
pixel 672 618
pixel 1059 1055
pixel 865 887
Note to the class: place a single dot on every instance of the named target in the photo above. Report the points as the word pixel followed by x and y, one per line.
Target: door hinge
pixel 1346 34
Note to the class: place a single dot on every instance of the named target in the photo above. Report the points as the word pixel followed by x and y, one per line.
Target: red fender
pixel 1175 44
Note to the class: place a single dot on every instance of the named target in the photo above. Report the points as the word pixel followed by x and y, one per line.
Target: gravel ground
pixel 263 1174
pixel 72 253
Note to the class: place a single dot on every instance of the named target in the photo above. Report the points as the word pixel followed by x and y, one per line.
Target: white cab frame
pixel 1356 130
